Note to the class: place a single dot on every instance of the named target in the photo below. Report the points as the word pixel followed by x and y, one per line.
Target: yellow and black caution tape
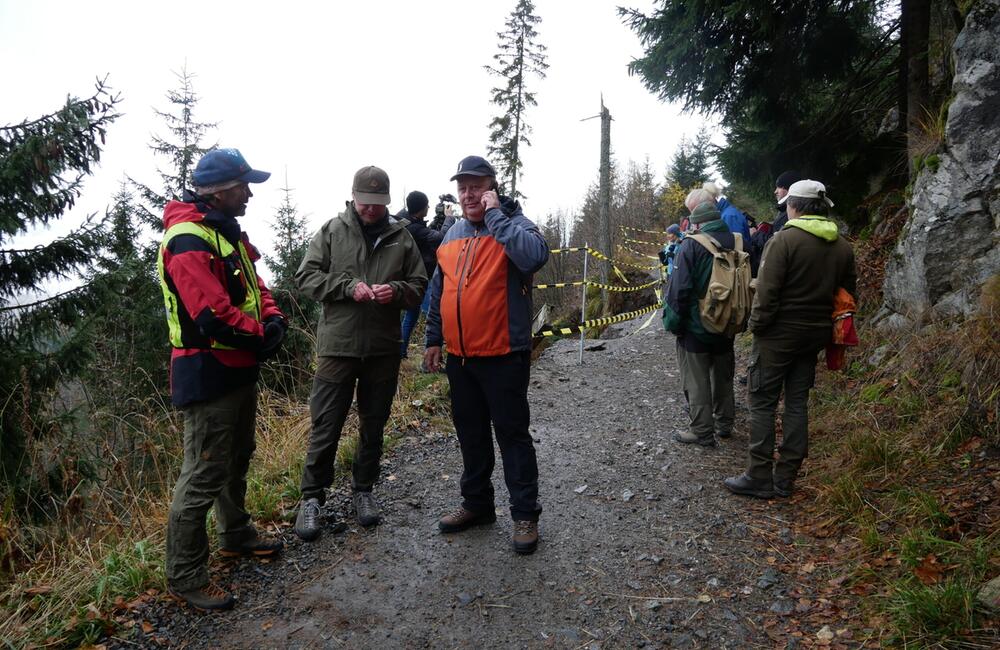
pixel 593 253
pixel 636 265
pixel 648 232
pixel 609 287
pixel 636 253
pixel 600 322
pixel 643 241
pixel 560 285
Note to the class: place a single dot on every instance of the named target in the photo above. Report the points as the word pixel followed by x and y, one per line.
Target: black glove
pixel 274 333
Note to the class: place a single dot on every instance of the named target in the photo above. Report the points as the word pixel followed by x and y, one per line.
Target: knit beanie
pixel 705 212
pixel 786 179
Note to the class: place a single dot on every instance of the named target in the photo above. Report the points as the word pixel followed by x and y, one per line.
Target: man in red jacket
pixel 223 323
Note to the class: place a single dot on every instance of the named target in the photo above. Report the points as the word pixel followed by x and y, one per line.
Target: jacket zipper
pixel 466 271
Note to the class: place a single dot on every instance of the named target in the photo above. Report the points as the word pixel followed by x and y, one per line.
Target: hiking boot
pixel 688 438
pixel 462 519
pixel 307 521
pixel 210 597
pixel 761 488
pixel 525 537
pixel 783 488
pixel 256 547
pixel 366 507
pixel 724 434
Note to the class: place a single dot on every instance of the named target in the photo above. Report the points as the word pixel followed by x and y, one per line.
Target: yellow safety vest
pixel 224 250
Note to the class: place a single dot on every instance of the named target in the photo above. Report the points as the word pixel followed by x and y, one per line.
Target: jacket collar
pixel 815 225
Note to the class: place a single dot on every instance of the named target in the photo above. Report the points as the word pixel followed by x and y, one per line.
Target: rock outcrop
pixel 951 245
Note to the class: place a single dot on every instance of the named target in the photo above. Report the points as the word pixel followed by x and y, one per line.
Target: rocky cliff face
pixel 951 244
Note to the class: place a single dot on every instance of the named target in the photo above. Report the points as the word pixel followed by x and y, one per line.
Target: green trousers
pixel 218 444
pixel 337 379
pixel 707 381
pixel 769 373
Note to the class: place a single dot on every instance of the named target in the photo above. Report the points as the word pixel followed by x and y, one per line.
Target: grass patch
pixel 907 453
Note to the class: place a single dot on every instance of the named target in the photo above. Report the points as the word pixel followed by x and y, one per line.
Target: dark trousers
pixel 334 386
pixel 707 380
pixel 769 373
pixel 218 444
pixel 494 390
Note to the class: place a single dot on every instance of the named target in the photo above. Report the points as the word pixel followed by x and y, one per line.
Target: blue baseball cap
pixel 474 166
pixel 225 165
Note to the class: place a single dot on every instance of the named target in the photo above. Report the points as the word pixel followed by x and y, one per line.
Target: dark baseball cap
pixel 224 165
pixel 371 186
pixel 474 166
pixel 416 201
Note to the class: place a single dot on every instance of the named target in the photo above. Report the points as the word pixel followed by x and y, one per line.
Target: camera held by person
pixel 443 210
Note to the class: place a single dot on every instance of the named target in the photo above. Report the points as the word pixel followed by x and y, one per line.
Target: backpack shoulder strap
pixel 709 242
pixel 738 247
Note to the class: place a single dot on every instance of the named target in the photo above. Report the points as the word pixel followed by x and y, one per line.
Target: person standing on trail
pixel 428 239
pixel 364 268
pixel 803 267
pixel 707 360
pixel 222 323
pixel 734 219
pixel 480 307
pixel 760 238
pixel 669 251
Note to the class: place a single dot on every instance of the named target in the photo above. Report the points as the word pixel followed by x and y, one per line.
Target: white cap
pixel 807 189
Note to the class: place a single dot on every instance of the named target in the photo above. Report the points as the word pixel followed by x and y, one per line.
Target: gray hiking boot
pixel 367 508
pixel 307 522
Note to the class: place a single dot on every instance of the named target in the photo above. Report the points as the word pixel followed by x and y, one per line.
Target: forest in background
pixel 90 445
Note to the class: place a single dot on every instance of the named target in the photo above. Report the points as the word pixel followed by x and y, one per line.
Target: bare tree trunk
pixel 604 202
pixel 915 17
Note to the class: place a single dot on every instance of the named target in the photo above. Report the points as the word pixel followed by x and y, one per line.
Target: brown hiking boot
pixel 462 519
pixel 256 547
pixel 210 597
pixel 525 536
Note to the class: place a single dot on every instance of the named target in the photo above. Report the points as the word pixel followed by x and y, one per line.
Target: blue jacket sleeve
pixel 434 335
pixel 677 301
pixel 520 238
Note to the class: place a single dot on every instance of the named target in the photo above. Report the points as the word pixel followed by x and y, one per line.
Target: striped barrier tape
pixel 600 322
pixel 636 253
pixel 593 253
pixel 643 241
pixel 648 232
pixel 609 287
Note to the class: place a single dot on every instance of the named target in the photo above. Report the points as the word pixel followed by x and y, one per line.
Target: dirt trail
pixel 641 545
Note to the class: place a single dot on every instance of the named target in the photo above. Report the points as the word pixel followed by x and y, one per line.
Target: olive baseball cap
pixel 371 186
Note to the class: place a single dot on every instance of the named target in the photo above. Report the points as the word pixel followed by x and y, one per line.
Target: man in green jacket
pixel 364 268
pixel 706 359
pixel 801 269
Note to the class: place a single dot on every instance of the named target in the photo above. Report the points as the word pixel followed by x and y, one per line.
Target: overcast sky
pixel 321 89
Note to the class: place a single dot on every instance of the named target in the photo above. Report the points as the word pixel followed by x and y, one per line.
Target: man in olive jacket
pixel 364 268
pixel 802 268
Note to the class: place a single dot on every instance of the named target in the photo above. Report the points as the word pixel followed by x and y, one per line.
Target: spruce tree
pixel 519 57
pixel 291 240
pixel 44 306
pixel 182 148
pixel 689 164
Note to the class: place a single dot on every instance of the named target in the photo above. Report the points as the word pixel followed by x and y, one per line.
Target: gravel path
pixel 641 545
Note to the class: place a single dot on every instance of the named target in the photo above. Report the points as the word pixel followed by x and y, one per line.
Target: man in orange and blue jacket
pixel 480 308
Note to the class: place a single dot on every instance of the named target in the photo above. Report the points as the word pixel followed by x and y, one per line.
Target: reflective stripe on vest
pixel 221 247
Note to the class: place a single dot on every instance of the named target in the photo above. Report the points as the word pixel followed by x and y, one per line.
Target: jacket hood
pixel 509 206
pixel 815 225
pixel 176 212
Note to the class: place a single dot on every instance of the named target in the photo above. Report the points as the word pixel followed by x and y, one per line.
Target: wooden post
pixel 604 204
pixel 583 299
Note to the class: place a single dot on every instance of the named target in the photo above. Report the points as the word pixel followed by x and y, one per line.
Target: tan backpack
pixel 725 308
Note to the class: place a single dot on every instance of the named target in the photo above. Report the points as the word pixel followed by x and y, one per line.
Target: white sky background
pixel 323 89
